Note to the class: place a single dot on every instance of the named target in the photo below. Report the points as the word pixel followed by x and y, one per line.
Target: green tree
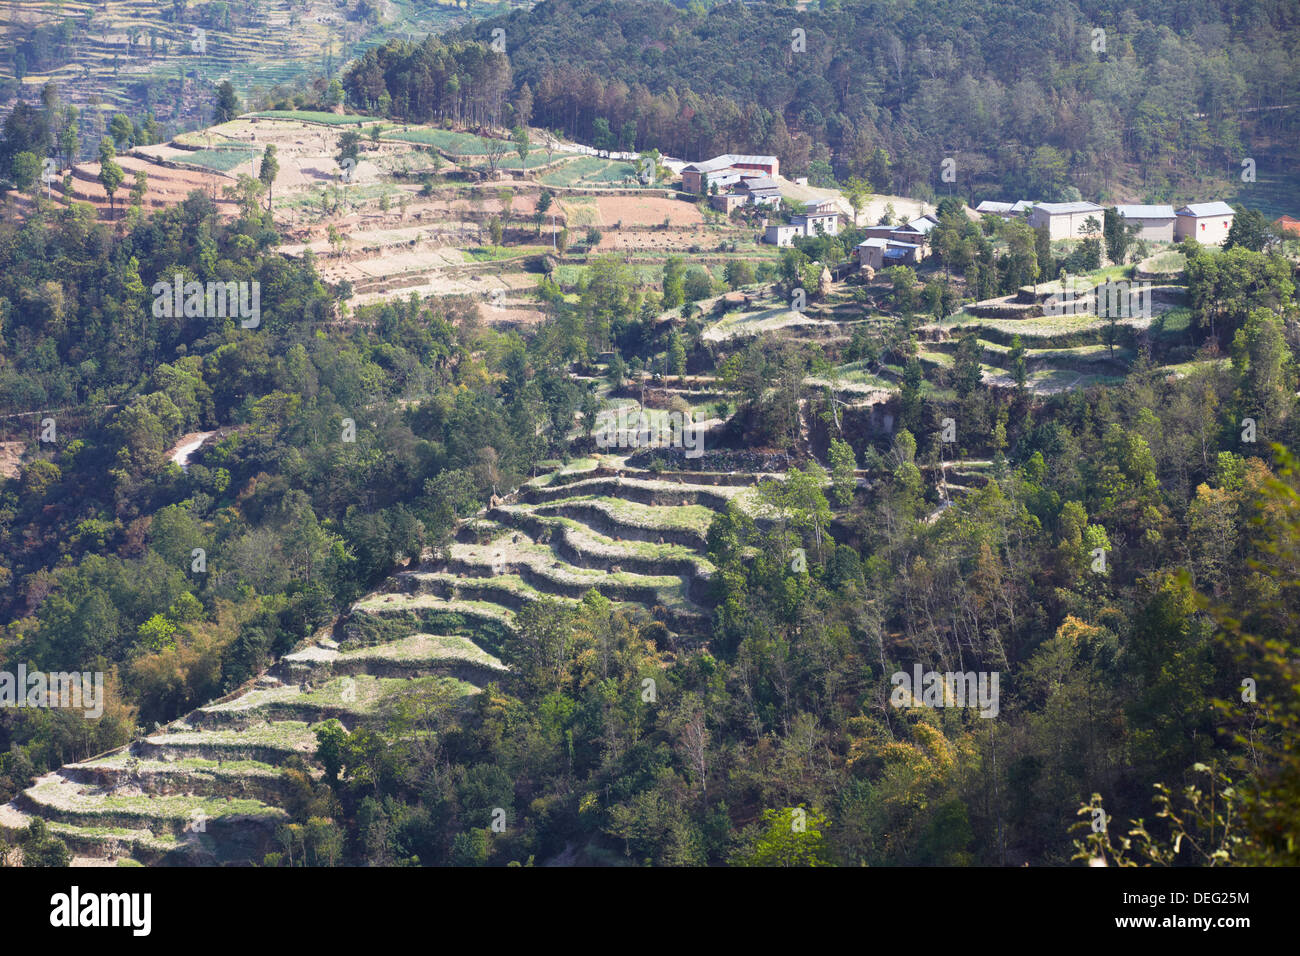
pixel 110 173
pixel 520 138
pixel 858 193
pixel 674 282
pixel 738 273
pixel 843 471
pixel 676 354
pixel 227 106
pixel 793 836
pixel 267 172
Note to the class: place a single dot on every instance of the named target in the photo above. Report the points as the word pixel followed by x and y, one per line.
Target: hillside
pixel 567 503
pixel 142 55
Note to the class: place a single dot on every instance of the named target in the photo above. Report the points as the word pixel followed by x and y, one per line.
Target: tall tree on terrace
pixel 110 173
pixel 269 169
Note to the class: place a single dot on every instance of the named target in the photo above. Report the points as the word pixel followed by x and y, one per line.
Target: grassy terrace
pixel 156 841
pixel 220 160
pixel 592 170
pixel 514 586
pixel 589 541
pixel 433 648
pixel 683 517
pixel 752 323
pixel 402 603
pixel 287 735
pixel 184 765
pixel 64 795
pixel 458 144
pixel 358 695
pixel 328 119
pixel 540 559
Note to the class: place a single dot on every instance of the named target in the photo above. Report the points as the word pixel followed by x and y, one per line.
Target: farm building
pixel 1207 222
pixel 1065 220
pixel 1005 210
pixel 726 202
pixel 1155 223
pixel 879 232
pixel 781 235
pixel 695 174
pixel 762 191
pixel 915 232
pixel 881 253
pixel 814 223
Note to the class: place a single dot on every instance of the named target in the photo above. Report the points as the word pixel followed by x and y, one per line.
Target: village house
pixel 880 253
pixel 1155 223
pixel 698 177
pixel 1288 227
pixel 762 191
pixel 916 232
pixel 1065 220
pixel 818 223
pixel 1207 222
pixel 1004 210
pixel 780 234
pixel 727 202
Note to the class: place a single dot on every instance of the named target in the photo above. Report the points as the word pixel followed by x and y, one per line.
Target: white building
pixel 1155 223
pixel 818 223
pixel 1065 220
pixel 1207 222
pixel 781 235
pixel 1004 210
pixel 880 253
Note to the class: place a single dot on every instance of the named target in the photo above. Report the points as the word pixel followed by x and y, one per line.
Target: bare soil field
pixel 667 240
pixel 647 211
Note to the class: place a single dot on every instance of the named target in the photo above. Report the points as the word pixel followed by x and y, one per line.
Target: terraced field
pixel 116 44
pixel 211 786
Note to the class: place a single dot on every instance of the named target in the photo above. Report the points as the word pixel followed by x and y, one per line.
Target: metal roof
pixel 886 244
pixel 1145 212
pixel 1064 208
pixel 730 159
pixel 1207 209
pixel 923 225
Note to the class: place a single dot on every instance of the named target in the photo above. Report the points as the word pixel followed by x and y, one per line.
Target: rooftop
pixel 886 244
pixel 1065 208
pixel 1145 212
pixel 1207 209
pixel 731 159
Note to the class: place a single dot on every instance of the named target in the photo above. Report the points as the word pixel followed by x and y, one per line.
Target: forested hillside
pixel 1109 678
pixel 1015 92
pixel 370 576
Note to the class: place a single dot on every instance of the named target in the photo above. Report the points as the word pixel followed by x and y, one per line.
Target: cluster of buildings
pixel 817 219
pixel 1207 222
pixel 733 179
pixel 900 245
